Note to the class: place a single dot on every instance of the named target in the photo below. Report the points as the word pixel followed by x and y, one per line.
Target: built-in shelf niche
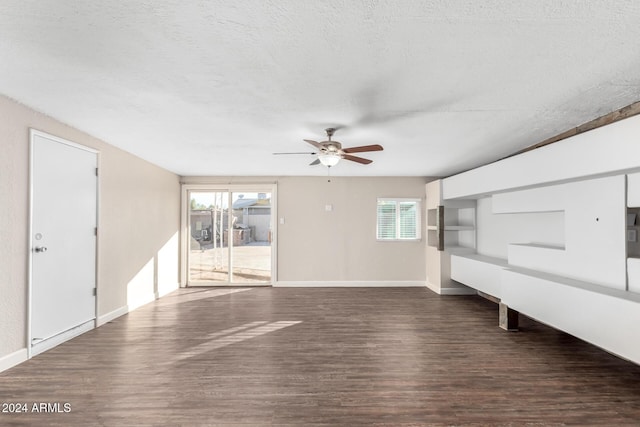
pixel 435 223
pixel 633 232
pixel 460 225
pixel 452 227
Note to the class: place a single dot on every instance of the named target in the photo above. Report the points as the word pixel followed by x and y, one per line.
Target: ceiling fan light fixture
pixel 329 159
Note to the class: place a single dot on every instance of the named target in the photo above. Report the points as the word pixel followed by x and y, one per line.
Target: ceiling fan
pixel 331 152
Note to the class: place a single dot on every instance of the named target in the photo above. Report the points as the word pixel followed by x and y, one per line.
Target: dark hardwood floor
pixel 322 357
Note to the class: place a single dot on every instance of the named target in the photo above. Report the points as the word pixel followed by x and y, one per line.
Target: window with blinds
pixel 398 219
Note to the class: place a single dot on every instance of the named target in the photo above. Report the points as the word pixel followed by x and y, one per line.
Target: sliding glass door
pixel 208 248
pixel 230 236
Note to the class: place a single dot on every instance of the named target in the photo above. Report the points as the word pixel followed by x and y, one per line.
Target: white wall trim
pixel 13 359
pixel 350 284
pixel 431 287
pixel 34 132
pixel 143 300
pixel 106 318
pixel 167 291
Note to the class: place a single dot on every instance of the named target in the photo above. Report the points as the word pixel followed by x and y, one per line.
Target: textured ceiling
pixel 215 87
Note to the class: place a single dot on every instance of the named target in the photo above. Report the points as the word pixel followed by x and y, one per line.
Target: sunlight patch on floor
pixel 197 295
pixel 235 335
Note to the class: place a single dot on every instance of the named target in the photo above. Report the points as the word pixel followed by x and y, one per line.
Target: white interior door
pixel 63 237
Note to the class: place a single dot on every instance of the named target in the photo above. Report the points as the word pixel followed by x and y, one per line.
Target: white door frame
pixel 184 222
pixel 67 335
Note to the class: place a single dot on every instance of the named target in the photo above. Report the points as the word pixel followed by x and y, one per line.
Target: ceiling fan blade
pixel 314 143
pixel 297 152
pixel 363 148
pixel 315 162
pixel 357 159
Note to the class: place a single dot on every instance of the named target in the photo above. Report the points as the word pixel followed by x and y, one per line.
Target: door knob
pixel 41 249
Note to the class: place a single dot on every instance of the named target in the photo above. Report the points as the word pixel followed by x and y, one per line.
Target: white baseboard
pixel 163 292
pixel 432 288
pixel 350 284
pixel 105 318
pixel 22 355
pixel 140 301
pixel 13 359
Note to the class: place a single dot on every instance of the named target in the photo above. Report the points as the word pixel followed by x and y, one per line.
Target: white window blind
pixel 398 219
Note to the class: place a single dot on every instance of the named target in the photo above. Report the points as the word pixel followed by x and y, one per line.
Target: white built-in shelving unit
pixel 585 281
pixel 451 229
pixel 633 232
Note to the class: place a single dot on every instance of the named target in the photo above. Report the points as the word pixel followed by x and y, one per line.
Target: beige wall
pixel 314 245
pixel 138 251
pixel 140 222
pixel 340 245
